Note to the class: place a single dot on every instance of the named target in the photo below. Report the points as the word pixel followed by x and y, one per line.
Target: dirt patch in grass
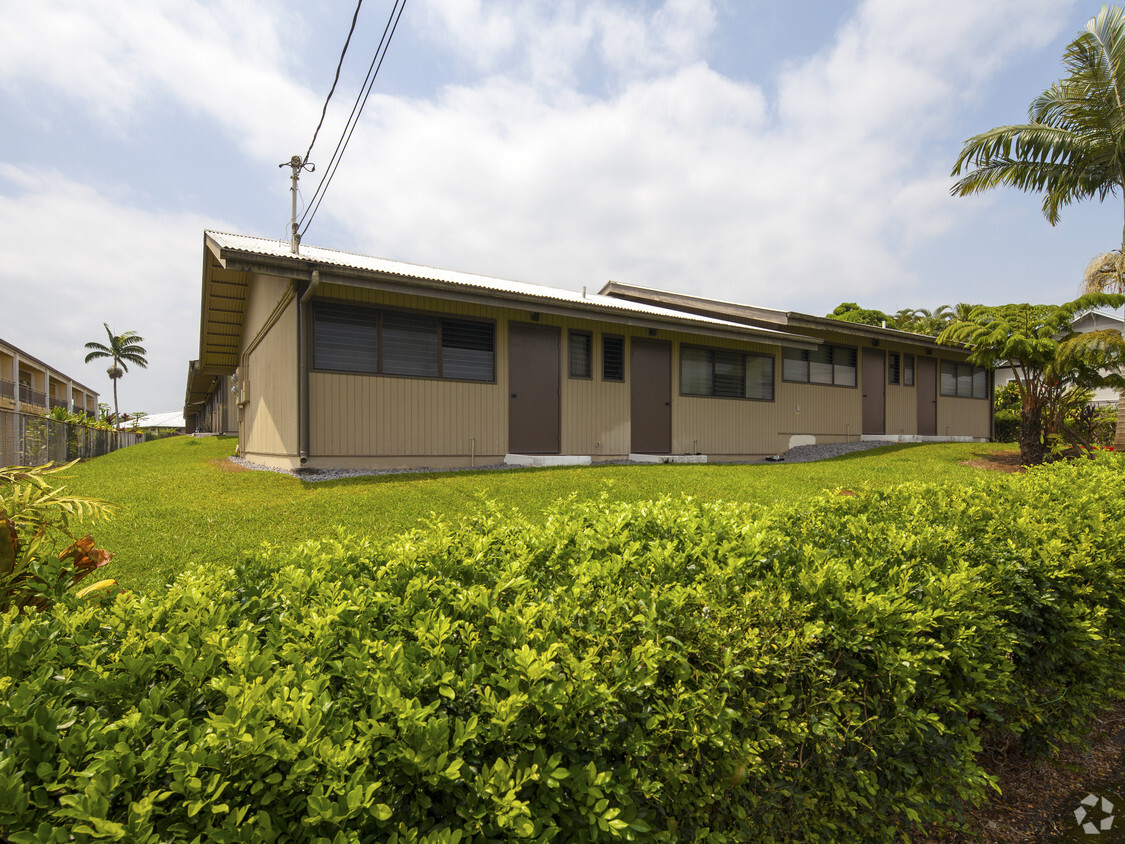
pixel 996 461
pixel 227 465
pixel 1038 796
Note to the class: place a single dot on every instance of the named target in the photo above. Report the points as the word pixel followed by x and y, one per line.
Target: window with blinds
pixel 345 338
pixel 467 350
pixel 580 354
pixel 613 358
pixel 349 338
pixel 894 368
pixel 725 374
pixel 759 377
pixel 410 345
pixel 827 364
pixel 964 381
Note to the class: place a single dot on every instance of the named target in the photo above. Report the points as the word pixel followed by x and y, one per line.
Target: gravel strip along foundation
pixel 801 454
pixel 809 453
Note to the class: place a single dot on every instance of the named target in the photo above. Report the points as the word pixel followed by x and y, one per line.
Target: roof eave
pixel 301 268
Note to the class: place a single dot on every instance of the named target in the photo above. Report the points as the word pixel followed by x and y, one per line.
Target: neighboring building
pixel 28 385
pixel 329 359
pixel 1089 321
pixel 172 420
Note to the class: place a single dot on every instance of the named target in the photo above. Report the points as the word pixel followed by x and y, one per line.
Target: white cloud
pixel 684 178
pixel 582 142
pixel 553 44
pixel 83 259
pixel 124 62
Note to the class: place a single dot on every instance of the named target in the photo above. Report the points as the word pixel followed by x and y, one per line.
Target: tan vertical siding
pixel 902 410
pixel 962 417
pixel 270 415
pixel 388 420
pixel 265 292
pixel 379 416
pixel 595 413
pixel 370 415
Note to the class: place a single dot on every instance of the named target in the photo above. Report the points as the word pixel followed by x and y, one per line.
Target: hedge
pixel 669 671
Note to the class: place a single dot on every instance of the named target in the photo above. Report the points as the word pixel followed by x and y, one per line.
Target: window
pixel 580 354
pixel 613 358
pixel 963 380
pixel 826 364
pixel 349 338
pixel 759 377
pixel 908 370
pixel 893 368
pixel 466 350
pixel 725 374
pixel 410 345
pixel 345 338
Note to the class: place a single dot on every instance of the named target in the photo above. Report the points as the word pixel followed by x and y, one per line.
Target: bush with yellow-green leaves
pixel 673 671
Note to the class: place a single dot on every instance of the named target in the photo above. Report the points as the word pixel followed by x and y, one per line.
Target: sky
pixel 792 155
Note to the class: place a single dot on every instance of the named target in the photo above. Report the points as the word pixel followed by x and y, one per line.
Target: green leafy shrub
pixel 1007 426
pixel 1007 397
pixel 669 671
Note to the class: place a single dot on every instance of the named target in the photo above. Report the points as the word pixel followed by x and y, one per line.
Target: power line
pixel 353 119
pixel 336 79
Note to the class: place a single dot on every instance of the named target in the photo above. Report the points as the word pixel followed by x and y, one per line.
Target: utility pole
pixel 297 165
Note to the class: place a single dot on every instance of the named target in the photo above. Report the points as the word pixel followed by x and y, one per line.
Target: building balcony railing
pixel 7 389
pixel 58 403
pixel 30 396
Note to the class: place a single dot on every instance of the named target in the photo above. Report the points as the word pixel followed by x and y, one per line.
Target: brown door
pixel 650 393
pixel 927 396
pixel 533 382
pixel 874 391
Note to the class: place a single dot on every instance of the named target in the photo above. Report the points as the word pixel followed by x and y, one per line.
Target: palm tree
pixel 122 349
pixel 1073 145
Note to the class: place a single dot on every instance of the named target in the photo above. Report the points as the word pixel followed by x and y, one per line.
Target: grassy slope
pixel 180 502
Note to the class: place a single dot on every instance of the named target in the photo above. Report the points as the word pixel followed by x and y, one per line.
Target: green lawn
pixel 180 501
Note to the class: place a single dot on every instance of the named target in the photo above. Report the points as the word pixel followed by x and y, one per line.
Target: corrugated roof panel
pixel 321 257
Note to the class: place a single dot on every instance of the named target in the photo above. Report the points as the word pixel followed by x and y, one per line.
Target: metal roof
pixel 255 254
pixel 753 315
pixel 166 419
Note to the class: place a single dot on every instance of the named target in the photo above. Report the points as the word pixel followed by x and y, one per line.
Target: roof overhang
pixel 199 387
pixel 230 261
pixel 222 310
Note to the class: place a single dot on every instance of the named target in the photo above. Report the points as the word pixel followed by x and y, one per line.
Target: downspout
pixel 303 369
pixel 992 405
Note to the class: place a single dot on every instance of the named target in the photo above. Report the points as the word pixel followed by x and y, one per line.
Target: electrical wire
pixel 336 79
pixel 353 119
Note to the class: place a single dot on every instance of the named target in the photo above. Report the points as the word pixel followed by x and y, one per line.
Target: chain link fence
pixel 27 440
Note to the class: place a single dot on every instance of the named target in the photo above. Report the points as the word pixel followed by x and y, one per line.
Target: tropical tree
pixel 122 349
pixel 1073 146
pixel 851 312
pixel 1053 366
